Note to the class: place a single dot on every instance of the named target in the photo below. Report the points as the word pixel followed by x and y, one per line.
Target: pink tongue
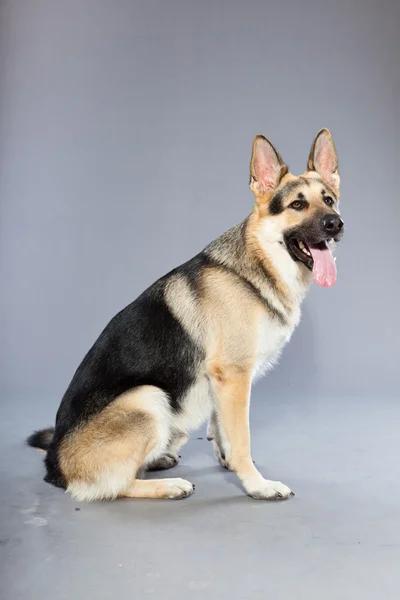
pixel 324 269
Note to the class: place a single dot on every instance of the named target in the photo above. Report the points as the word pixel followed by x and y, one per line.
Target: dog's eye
pixel 328 200
pixel 297 205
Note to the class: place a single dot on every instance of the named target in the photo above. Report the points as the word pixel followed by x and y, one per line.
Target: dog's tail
pixel 41 439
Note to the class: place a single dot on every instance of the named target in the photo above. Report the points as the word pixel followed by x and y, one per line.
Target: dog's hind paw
pixel 166 461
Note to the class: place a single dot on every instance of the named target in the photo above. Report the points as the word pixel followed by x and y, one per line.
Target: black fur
pixel 256 292
pixel 144 344
pixel 276 204
pixel 41 439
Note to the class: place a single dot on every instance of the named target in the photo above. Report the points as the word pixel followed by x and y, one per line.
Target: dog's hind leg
pixel 170 458
pixel 103 459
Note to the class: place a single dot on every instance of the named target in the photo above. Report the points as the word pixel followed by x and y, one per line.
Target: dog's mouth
pixel 317 257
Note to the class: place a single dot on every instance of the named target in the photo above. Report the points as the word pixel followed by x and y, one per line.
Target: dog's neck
pixel 262 261
pixel 295 276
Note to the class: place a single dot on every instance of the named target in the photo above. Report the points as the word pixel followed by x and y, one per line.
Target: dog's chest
pixel 272 336
pixel 195 407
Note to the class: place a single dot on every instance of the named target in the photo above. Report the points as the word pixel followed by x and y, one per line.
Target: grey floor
pixel 339 538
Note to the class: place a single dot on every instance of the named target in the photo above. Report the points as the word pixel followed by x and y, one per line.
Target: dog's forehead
pixel 311 188
pixel 319 187
pixel 315 190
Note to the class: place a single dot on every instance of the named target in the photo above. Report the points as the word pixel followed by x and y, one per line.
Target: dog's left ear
pixel 323 159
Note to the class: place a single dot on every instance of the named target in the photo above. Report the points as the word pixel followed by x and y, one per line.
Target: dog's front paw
pixel 270 490
pixel 179 488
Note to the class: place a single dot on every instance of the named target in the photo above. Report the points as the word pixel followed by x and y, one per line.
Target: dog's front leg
pixel 216 436
pixel 232 388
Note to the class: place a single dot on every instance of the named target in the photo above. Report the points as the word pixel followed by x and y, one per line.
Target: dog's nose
pixel 332 224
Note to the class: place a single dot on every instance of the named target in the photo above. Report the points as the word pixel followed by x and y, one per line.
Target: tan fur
pixel 253 264
pixel 117 440
pixel 231 314
pixel 256 252
pixel 184 306
pixel 226 319
pixel 159 488
pixel 232 386
pixel 119 433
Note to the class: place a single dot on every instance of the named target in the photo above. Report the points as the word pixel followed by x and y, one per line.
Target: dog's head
pixel 301 212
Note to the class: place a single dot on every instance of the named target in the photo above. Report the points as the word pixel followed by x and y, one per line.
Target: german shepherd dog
pixel 189 348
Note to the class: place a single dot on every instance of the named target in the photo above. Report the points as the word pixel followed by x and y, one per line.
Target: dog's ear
pixel 323 159
pixel 266 168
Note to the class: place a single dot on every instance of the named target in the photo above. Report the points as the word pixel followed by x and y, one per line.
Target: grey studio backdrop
pixel 126 130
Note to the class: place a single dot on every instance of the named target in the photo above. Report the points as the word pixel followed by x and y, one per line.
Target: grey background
pixel 126 130
pixel 125 138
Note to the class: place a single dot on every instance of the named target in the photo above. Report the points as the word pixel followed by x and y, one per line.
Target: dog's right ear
pixel 266 168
